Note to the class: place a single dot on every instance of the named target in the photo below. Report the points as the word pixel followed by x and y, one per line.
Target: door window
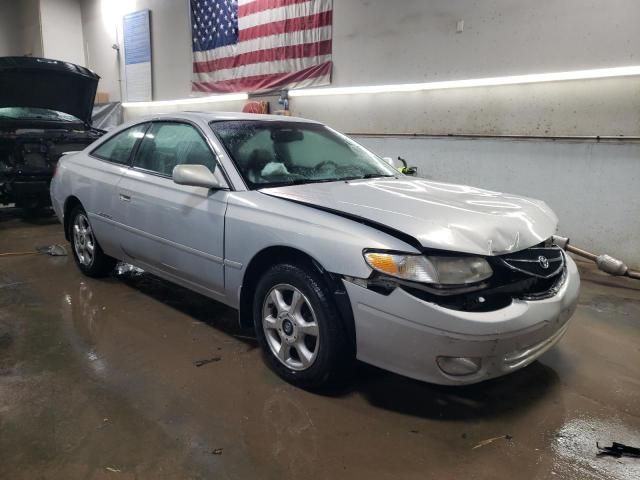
pixel 118 148
pixel 168 144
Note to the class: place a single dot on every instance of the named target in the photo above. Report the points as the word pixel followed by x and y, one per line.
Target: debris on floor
pixel 216 451
pixel 55 250
pixel 52 250
pixel 111 469
pixel 618 450
pixel 491 440
pixel 200 363
pixel 127 268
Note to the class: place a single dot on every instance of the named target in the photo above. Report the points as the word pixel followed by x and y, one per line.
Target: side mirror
pixel 195 176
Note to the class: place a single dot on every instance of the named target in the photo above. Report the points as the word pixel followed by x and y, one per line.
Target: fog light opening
pixel 459 366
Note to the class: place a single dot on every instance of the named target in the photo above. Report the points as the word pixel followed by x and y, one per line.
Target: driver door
pixel 175 230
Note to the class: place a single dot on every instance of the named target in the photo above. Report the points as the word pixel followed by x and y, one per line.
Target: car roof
pixel 218 116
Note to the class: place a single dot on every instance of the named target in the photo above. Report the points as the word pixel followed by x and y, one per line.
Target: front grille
pixel 539 262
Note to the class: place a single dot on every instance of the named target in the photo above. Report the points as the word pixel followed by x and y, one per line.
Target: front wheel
pixel 299 328
pixel 89 257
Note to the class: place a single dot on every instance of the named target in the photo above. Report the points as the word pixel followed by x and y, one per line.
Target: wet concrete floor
pixel 98 381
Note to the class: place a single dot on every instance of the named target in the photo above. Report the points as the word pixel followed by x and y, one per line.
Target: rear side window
pixel 118 148
pixel 168 144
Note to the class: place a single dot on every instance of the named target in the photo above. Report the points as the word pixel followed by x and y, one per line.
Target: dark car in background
pixel 45 111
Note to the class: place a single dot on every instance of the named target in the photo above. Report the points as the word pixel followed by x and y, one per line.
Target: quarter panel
pixel 93 182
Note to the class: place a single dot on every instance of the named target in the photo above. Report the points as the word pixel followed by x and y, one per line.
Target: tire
pixel 88 255
pixel 316 354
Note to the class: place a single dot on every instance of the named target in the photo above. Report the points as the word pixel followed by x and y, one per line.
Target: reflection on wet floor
pixel 575 440
pixel 98 380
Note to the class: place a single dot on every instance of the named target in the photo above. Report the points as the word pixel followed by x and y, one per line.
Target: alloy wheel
pixel 84 242
pixel 290 327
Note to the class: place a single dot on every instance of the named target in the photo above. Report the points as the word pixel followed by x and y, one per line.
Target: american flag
pixel 252 45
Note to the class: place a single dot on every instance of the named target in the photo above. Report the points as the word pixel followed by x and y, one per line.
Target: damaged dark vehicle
pixel 45 111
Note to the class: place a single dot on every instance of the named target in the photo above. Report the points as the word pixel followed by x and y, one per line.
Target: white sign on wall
pixel 137 56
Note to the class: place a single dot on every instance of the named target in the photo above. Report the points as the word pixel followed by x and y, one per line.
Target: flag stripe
pixel 267 82
pixel 291 25
pixel 279 53
pixel 261 5
pixel 267 68
pixel 266 43
pixel 286 12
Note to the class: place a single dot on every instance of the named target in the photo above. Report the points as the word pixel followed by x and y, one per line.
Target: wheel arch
pixel 70 203
pixel 274 255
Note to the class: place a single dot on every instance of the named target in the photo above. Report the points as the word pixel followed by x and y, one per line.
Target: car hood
pixel 438 215
pixel 44 83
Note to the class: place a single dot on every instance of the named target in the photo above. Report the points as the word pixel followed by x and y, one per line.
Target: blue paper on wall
pixel 137 56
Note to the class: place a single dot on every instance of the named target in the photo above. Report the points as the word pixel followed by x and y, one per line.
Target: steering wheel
pixel 325 163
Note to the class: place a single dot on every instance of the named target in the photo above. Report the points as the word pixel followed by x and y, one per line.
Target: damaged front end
pixel 28 158
pixel 40 123
pixel 534 273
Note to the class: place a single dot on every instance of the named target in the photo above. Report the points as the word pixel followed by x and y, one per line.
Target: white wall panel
pixel 382 41
pixel 20 32
pixel 582 107
pixel 62 37
pixel 9 29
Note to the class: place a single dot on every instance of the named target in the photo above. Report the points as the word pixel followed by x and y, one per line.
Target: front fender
pixel 255 221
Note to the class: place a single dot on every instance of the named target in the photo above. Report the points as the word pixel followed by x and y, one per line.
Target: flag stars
pixel 214 23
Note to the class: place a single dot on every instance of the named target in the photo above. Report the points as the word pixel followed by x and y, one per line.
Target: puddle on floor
pixel 575 444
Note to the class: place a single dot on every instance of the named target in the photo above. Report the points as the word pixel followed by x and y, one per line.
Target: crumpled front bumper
pixel 403 334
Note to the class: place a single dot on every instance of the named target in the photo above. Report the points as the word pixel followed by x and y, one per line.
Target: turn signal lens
pixel 415 268
pixel 383 262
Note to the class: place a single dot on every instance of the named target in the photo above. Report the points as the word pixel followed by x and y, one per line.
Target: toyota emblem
pixel 544 263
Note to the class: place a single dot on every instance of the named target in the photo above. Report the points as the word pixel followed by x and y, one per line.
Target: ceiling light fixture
pixel 475 82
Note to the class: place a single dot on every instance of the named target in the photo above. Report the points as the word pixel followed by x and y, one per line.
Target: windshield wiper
pixel 377 175
pixel 303 181
pixel 368 175
pixel 298 181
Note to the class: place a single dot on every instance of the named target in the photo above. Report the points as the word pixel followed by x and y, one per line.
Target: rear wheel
pixel 89 257
pixel 299 328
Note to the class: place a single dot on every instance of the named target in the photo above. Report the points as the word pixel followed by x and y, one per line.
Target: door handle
pixel 125 198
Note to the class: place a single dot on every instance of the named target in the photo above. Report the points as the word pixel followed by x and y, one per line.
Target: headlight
pixel 432 269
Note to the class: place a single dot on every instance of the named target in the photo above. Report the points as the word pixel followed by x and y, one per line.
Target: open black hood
pixel 44 83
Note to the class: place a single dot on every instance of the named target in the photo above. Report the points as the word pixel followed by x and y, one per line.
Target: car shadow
pixel 188 302
pixel 384 390
pixel 40 217
pixel 497 397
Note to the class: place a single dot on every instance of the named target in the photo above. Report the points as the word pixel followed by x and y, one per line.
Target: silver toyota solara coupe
pixel 329 252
